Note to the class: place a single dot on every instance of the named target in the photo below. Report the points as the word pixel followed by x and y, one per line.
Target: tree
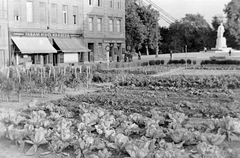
pixel 192 32
pixel 149 18
pixel 135 30
pixel 141 25
pixel 232 10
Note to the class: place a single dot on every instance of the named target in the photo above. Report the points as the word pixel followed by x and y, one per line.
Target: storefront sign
pixel 114 41
pixel 44 34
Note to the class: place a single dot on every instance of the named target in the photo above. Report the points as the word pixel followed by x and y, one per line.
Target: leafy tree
pixel 135 29
pixel 232 10
pixel 192 32
pixel 149 17
pixel 141 24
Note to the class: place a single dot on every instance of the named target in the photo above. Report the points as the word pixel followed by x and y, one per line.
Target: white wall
pixel 70 57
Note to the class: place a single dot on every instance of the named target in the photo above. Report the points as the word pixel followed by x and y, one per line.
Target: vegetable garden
pixel 138 117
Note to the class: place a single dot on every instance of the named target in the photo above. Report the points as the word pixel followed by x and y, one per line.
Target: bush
pixel 144 63
pixel 189 61
pixel 158 62
pixel 162 62
pixel 194 62
pixel 99 66
pixel 152 62
pixel 182 61
pixel 118 65
pixel 139 63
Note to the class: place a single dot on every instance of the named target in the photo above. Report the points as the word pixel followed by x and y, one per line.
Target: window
pixel 42 7
pixel 100 49
pixel 64 13
pixel 75 13
pixel 99 3
pixel 54 13
pixel 118 25
pixel 29 11
pixel 90 23
pixel 61 58
pixel 37 59
pixel 80 57
pixel 119 4
pixel 90 2
pixel 16 10
pixel 99 24
pixel 111 3
pixel 111 25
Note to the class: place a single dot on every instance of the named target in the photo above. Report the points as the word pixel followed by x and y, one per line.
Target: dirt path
pixel 171 72
pixel 183 71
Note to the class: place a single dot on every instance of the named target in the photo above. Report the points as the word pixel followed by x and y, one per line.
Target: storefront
pixel 46 48
pixel 70 50
pixel 117 48
pixel 97 49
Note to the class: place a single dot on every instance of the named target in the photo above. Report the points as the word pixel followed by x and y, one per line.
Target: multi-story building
pixel 60 31
pixel 104 25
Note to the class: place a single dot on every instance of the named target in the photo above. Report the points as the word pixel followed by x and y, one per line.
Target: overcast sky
pixel 179 8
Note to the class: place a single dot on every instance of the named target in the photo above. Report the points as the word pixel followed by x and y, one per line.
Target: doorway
pixel 91 53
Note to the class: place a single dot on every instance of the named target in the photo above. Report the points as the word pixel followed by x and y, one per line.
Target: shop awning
pixel 34 45
pixel 70 45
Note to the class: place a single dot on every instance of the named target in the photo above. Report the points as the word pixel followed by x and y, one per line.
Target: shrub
pixel 144 63
pixel 118 65
pixel 162 62
pixel 94 67
pixel 182 61
pixel 194 62
pixel 99 66
pixel 189 61
pixel 158 62
pixel 152 62
pixel 139 63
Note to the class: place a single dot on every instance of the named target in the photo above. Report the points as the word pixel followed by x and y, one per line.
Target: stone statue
pixel 221 30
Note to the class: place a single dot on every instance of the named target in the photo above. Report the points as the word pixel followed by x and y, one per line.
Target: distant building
pixel 59 32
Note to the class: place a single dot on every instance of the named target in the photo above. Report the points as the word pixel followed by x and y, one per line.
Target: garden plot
pixel 138 117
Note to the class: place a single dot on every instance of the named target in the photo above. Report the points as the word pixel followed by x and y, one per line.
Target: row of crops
pixel 58 79
pixel 139 117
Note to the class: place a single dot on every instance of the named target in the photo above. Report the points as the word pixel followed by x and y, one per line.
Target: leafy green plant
pixel 36 140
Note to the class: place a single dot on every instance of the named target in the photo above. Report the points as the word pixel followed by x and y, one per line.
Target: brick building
pixel 60 31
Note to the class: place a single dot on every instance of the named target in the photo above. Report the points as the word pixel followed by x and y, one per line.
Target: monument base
pixel 221 43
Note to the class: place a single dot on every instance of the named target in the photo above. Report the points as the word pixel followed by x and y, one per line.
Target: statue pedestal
pixel 221 43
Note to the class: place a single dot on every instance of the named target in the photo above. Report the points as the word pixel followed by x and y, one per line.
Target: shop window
pixel 118 26
pixel 16 10
pixel 99 24
pixel 80 57
pixel 42 7
pixel 54 13
pixel 111 25
pixel 29 11
pixel 75 13
pixel 100 48
pixel 64 14
pixel 61 58
pixel 38 59
pixel 90 23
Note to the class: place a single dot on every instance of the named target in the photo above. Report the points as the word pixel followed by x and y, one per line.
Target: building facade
pixel 59 31
pixel 104 25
